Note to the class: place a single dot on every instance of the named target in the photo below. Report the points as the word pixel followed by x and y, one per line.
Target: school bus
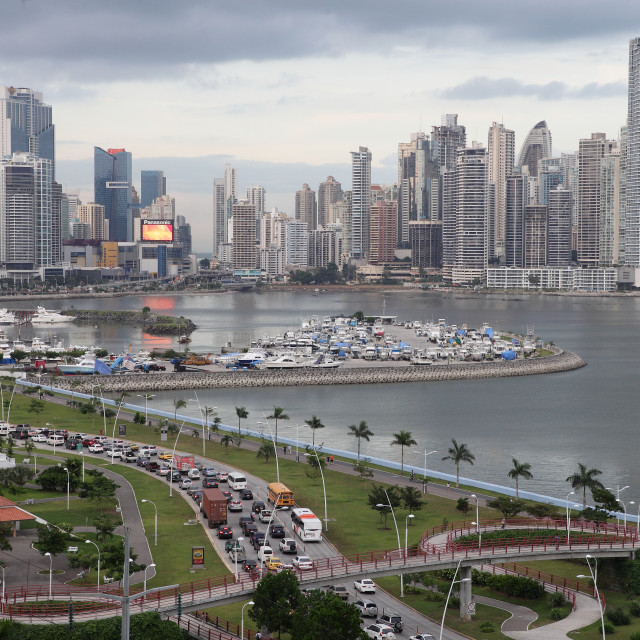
pixel 277 492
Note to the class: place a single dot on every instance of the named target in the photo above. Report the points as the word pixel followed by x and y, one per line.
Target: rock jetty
pixel 560 361
pixel 153 323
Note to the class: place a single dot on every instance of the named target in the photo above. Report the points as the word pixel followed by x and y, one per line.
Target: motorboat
pixel 284 362
pixel 84 365
pixel 324 362
pixel 7 317
pixel 42 316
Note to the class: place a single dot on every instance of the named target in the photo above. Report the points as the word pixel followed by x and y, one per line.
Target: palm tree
pixel 361 431
pixel 520 470
pixel 241 412
pixel 207 412
pixel 215 425
pixel 314 423
pixel 178 404
pixel 265 451
pixel 278 414
pixel 459 453
pixel 585 479
pixel 226 440
pixel 403 439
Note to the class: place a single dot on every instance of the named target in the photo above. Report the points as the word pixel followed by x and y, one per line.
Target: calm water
pixel 552 421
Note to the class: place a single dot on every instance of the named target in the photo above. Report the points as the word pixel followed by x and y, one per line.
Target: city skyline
pixel 251 99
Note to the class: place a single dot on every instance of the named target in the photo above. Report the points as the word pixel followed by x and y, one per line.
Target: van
pixel 5 429
pixel 264 553
pixel 237 481
pixel 265 515
pixel 56 441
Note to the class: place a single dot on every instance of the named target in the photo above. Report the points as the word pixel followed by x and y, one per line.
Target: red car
pixel 87 442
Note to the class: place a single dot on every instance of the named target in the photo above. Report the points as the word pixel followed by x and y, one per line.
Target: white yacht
pixel 42 316
pixel 284 362
pixel 7 317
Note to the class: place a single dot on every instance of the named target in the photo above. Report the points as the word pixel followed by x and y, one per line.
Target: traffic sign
pixel 471 608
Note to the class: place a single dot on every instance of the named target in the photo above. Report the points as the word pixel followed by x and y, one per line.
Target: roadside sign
pixel 163 435
pixel 122 429
pixel 471 608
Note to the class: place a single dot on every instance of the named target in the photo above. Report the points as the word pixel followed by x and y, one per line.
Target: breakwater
pixel 150 322
pixel 559 362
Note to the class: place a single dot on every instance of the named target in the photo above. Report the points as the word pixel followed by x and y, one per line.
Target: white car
pixel 96 447
pixel 422 636
pixel 303 563
pixel 185 483
pixel 194 474
pixel 380 631
pixel 364 585
pixel 100 438
pixel 39 437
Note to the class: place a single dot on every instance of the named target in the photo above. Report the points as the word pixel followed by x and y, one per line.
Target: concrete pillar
pixel 465 594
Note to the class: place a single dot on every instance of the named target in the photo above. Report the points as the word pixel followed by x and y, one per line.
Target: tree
pixel 275 599
pixel 226 440
pixel 55 479
pixel 508 507
pixel 315 463
pixel 411 499
pixel 361 431
pixel 459 453
pixel 101 490
pixel 363 469
pixel 52 538
pixel 241 412
pixel 379 496
pixel 520 470
pixel 585 479
pixel 265 451
pixel 36 406
pixel 21 475
pixel 314 423
pixel 112 560
pixel 542 510
pixel 322 615
pixel 105 526
pixel 207 412
pixel 178 403
pixel 278 414
pixel 403 439
pixel 204 263
pixel 463 505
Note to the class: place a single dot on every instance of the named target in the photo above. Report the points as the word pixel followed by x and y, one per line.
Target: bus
pixel 277 492
pixel 306 525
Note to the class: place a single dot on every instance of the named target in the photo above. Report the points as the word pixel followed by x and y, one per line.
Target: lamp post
pixel 50 571
pixel 395 522
pixel 147 397
pixel 477 522
pixel 173 453
pixel 145 575
pixel 618 489
pixel 638 523
pixel 594 577
pixel 155 537
pixel 302 426
pixel 68 481
pixel 624 506
pixel 324 490
pixel 446 604
pixel 568 517
pixel 424 477
pixel 3 590
pixel 406 538
pixel 248 604
pixel 275 449
pixel 104 413
pixel 98 550
pixel 240 539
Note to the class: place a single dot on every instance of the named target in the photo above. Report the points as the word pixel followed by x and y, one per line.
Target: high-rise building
pixel 590 154
pixel 256 196
pixel 69 210
pixel 501 153
pixel 622 232
pixel 243 244
pixel 632 173
pixel 549 179
pixel 325 246
pixel 26 124
pixel 446 140
pixel 360 202
pixel 559 233
pixel 609 242
pixel 306 210
pixel 112 188
pixel 382 231
pixel 329 193
pixel 535 236
pixel 219 216
pixel 536 146
pixel 517 198
pixel 153 185
pixel 92 214
pixel 426 244
pixel 57 253
pixel 230 188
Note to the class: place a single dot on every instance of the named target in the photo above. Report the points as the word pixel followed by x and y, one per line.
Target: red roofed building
pixel 10 512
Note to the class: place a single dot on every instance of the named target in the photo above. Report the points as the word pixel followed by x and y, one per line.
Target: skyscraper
pixel 306 208
pixel 255 196
pixel 329 193
pixel 112 188
pixel 536 146
pixel 243 249
pixel 609 243
pixel 153 185
pixel 92 214
pixel 26 124
pixel 535 236
pixel 517 198
pixel 446 140
pixel 501 153
pixel 382 231
pixel 559 234
pixel 219 216
pixel 360 202
pixel 632 213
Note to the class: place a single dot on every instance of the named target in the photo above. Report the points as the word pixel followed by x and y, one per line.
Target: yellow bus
pixel 280 494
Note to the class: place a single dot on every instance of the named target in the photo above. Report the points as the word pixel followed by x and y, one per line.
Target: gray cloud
pixel 483 88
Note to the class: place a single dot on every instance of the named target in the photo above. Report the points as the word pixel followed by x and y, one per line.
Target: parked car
pixel 276 530
pixel 39 437
pixel 235 505
pixel 209 483
pixel 380 631
pixel 364 585
pixel 225 531
pixel 339 590
pixel 304 563
pixel 394 620
pixel 288 545
pixel 257 506
pixel 367 608
pixel 246 494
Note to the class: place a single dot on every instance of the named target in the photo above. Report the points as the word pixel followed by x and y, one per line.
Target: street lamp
pixel 147 397
pixel 275 448
pixel 50 571
pixel 248 604
pixel 98 549
pixel 68 481
pixel 104 413
pixel 324 490
pixel 424 477
pixel 406 538
pixel 173 454
pixel 145 575
pixel 624 506
pixel 390 506
pixel 446 604
pixel 2 567
pixel 618 489
pixel 302 426
pixel 155 541
pixel 240 539
pixel 571 493
pixel 477 522
pixel 594 577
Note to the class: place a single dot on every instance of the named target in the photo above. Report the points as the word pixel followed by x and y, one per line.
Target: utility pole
pixel 126 605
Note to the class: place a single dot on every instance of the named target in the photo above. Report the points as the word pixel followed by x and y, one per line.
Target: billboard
pixel 156 230
pixel 197 555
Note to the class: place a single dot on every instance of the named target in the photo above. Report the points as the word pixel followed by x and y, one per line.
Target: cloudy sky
pixel 284 90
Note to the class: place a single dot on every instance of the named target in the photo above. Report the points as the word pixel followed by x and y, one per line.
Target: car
pixel 364 585
pixel 184 483
pixel 380 631
pixel 197 496
pixel 209 483
pixel 422 636
pixel 245 520
pixel 303 563
pixel 265 515
pixel 257 539
pixel 39 437
pixel 276 530
pixel 223 476
pixel 273 563
pixel 228 495
pixel 165 455
pixel 339 590
pixel 115 452
pixel 237 554
pixel 246 494
pixel 142 462
pixel 71 444
pixel 225 531
pixel 307 591
pixel 96 447
pixel 235 505
pixel 367 608
pixel 257 506
pixel 175 477
pixel 393 620
pixel 209 472
pixel 288 545
pixel 194 474
pixel 231 544
pixel 249 527
pixel 250 564
pixel 153 466
pixel 101 439
pixel 150 449
pixel 162 471
pixel 133 446
pixel 129 456
pixel 264 553
pixel 87 442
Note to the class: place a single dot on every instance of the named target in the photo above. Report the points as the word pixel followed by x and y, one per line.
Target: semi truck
pixel 214 507
pixel 183 464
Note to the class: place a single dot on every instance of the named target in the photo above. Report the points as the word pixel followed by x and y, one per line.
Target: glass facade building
pixel 113 190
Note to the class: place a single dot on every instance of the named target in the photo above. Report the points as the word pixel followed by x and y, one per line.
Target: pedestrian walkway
pixel 521 617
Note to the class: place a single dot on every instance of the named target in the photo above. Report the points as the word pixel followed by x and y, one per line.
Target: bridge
pixel 439 548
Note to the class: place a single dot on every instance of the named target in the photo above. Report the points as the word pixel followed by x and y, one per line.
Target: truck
pixel 214 507
pixel 183 464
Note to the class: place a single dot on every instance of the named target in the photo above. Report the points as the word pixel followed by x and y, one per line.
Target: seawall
pixel 560 361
